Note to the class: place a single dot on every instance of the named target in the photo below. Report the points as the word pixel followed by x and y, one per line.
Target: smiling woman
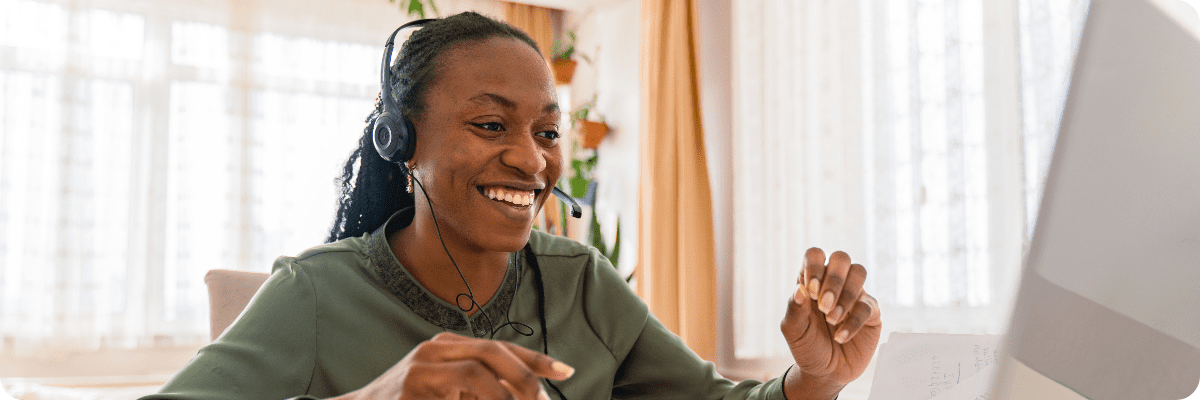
pixel 434 284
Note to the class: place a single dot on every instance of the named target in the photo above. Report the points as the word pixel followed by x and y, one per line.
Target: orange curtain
pixel 534 21
pixel 676 269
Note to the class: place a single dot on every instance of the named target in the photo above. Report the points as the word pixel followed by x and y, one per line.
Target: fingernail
pixel 813 286
pixel 841 336
pixel 563 369
pixel 826 302
pixel 542 395
pixel 833 317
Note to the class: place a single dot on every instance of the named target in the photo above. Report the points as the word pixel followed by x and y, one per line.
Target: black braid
pixel 372 189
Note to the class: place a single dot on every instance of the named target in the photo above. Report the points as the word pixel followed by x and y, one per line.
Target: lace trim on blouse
pixel 422 303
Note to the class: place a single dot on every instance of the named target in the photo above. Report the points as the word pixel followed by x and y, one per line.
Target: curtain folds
pixel 534 21
pixel 676 271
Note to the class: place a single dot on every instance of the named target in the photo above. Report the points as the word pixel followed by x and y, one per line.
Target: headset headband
pixel 385 84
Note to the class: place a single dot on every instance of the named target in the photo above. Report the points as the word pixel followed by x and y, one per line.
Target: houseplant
pixel 564 59
pixel 590 132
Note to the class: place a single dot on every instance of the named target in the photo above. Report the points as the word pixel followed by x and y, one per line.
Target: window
pixel 910 133
pixel 143 143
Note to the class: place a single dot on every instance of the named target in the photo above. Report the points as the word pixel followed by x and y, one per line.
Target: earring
pixel 410 179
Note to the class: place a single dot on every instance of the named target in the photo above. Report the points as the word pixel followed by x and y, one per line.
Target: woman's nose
pixel 524 154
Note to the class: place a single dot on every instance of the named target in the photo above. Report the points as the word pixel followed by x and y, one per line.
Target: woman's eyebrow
pixel 492 98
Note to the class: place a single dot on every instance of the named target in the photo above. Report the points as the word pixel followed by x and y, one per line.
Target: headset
pixel 394 134
pixel 395 139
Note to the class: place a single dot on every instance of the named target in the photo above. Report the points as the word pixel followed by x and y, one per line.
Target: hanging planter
pixel 591 133
pixel 564 59
pixel 564 70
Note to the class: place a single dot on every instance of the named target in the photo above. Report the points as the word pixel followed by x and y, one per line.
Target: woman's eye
pixel 491 126
pixel 551 135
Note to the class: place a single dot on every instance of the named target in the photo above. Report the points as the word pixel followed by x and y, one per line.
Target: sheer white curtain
pixel 912 134
pixel 143 143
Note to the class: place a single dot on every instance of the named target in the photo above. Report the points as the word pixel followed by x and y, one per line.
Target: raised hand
pixel 832 325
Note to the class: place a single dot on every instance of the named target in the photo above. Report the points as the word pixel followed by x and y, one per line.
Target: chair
pixel 228 294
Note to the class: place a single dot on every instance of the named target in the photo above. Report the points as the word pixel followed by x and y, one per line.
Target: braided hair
pixel 372 189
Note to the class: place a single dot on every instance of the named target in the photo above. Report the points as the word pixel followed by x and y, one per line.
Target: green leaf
pixel 415 7
pixel 616 250
pixel 598 243
pixel 597 236
pixel 565 49
pixel 579 186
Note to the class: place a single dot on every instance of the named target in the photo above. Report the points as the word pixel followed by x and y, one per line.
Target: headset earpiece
pixel 393 137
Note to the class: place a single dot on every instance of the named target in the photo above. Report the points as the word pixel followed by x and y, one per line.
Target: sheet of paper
pixel 931 366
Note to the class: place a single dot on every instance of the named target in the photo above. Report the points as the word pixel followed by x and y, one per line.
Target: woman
pixel 435 285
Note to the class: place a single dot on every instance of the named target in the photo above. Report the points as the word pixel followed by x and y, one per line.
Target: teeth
pixel 509 196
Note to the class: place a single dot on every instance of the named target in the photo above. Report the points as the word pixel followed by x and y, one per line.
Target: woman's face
pixel 487 149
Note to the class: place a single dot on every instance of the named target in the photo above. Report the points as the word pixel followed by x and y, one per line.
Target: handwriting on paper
pixel 935 367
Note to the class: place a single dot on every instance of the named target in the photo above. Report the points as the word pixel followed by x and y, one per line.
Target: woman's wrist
pixel 798 385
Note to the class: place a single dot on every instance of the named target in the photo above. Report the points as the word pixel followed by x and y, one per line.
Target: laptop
pixel 1109 300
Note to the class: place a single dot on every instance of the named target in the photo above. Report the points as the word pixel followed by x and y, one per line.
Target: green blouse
pixel 332 319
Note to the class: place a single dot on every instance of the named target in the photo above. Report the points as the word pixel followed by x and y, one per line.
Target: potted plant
pixel 564 63
pixel 590 132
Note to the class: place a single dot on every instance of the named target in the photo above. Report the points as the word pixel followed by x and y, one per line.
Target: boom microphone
pixel 576 211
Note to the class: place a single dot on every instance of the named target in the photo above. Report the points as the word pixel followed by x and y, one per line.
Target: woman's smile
pixel 513 202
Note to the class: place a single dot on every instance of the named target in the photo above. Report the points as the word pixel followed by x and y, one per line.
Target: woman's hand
pixel 450 366
pixel 832 326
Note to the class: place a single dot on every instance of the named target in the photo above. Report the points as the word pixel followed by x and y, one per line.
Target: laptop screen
pixel 1109 301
